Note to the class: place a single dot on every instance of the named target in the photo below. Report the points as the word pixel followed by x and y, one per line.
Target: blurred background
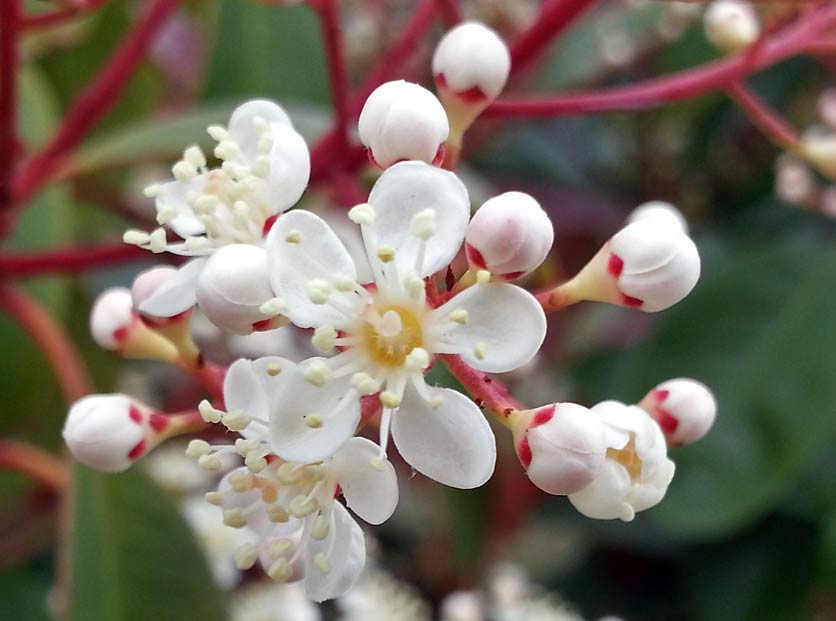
pixel 748 529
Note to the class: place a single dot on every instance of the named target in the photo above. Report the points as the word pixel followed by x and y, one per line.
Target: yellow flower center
pixel 389 341
pixel 629 458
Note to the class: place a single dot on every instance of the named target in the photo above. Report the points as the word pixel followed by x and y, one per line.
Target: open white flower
pixel 389 333
pixel 637 471
pixel 265 170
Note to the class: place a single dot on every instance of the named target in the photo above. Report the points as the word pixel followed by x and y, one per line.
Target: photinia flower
pixel 684 408
pixel 265 170
pixel 389 333
pixel 660 212
pixel 731 24
pixel 637 471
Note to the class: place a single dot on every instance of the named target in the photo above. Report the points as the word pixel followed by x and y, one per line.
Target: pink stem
pixel 484 389
pixel 762 115
pixel 53 341
pixel 11 12
pixel 93 104
pixel 69 260
pixel 338 73
pixel 38 464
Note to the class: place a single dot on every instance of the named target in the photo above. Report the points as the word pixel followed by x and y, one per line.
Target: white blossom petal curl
pixel 333 564
pixel 178 294
pixel 369 483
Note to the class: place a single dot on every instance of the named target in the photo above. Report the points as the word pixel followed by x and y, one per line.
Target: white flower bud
pixel 636 473
pixel 233 286
pixel 403 121
pixel 685 410
pixel 145 285
pixel 661 212
pixel 818 145
pixel 646 265
pixel 510 235
pixel 112 317
pixel 562 446
pixel 731 24
pixel 108 432
pixel 472 62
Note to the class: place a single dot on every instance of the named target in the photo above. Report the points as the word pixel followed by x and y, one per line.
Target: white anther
pixel 198 448
pixel 209 462
pixel 226 150
pixel 344 283
pixel 217 132
pixel 208 413
pixel 153 190
pixel 273 369
pixel 301 506
pixel 377 464
pixel 197 243
pixel 277 514
pixel 414 285
pixel 243 447
pixel 386 253
pixel 236 420
pixel 255 462
pixel 459 315
pixel 272 307
pixel 280 547
pixel 241 481
pixel 194 156
pixel 214 498
pixel 313 421
pixel 321 563
pixel 294 237
pixel 389 399
pixel 289 474
pixel 483 277
pixel 280 571
pixel 235 518
pixel 323 338
pixel 136 238
pixel 157 242
pixel 261 168
pixel 318 290
pixel 246 556
pixel 480 351
pixel 166 215
pixel 320 528
pixel 318 373
pixel 417 360
pixel 183 171
pixel 364 383
pixel 436 402
pixel 361 214
pixel 206 203
pixel 423 224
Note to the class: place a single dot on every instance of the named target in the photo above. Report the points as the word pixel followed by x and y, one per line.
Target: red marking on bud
pixel 667 421
pixel 338 491
pixel 615 265
pixel 160 322
pixel 137 451
pixel 158 422
pixel 542 416
pixel 271 459
pixel 473 95
pixel 474 257
pixel 661 395
pixel 524 453
pixel 120 335
pixel 370 155
pixel 439 155
pixel 268 224
pixel 630 301
pixel 135 414
pixel 263 325
pixel 511 275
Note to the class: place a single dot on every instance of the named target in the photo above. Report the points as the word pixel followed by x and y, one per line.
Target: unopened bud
pixel 660 212
pixel 561 446
pixel 403 121
pixel 116 326
pixel 510 235
pixel 731 24
pixel 684 408
pixel 818 146
pixel 151 282
pixel 108 432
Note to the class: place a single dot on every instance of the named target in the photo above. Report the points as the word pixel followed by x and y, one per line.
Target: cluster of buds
pixel 380 320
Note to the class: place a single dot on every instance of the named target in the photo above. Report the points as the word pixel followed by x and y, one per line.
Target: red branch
pixel 337 72
pixel 53 341
pixel 677 87
pixel 484 389
pixel 40 465
pixel 10 15
pixel 68 260
pixel 93 104
pixel 450 11
pixel 762 115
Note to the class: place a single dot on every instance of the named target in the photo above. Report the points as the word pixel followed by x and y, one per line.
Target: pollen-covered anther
pixel 417 360
pixel 318 373
pixel 273 369
pixel 194 155
pixel 294 237
pixel 255 462
pixel 302 506
pixel 389 399
pixel 280 571
pixel 236 420
pixel 483 277
pixel 364 383
pixel 386 253
pixel 377 464
pixel 277 514
pixel 280 547
pixel 184 171
pixel 197 448
pixel 318 290
pixel 246 556
pixel 135 237
pixel 361 214
pixel 235 518
pixel 423 224
pixel 214 498
pixel 243 446
pixel 208 413
pixel 324 338
pixel 313 421
pixel 321 563
pixel 274 306
pixel 320 528
pixel 241 481
pixel 289 474
pixel 209 462
pixel 157 241
pixel 218 133
pixel 460 316
pixel 480 351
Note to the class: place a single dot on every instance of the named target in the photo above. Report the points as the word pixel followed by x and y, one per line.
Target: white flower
pixel 510 235
pixel 561 446
pixel 662 213
pixel 684 408
pixel 378 596
pixel 648 265
pixel 472 62
pixel 637 471
pixel 403 121
pixel 389 334
pixel 731 24
pixel 110 432
pixel 818 146
pixel 233 291
pixel 265 170
pixel 273 602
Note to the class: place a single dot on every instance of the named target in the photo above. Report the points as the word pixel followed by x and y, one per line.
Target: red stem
pixel 68 260
pixel 11 12
pixel 53 341
pixel 450 12
pixel 337 71
pixel 683 85
pixel 93 104
pixel 762 115
pixel 38 464
pixel 484 389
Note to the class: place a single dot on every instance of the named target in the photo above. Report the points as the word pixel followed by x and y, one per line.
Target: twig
pixel 69 260
pixel 10 14
pixel 328 11
pixel 762 115
pixel 43 467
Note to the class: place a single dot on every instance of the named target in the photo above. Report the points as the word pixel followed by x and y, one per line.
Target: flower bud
pixel 731 24
pixel 684 408
pixel 636 472
pixel 818 146
pixel 403 121
pixel 145 285
pixel 561 446
pixel 646 265
pixel 510 235
pixel 661 212
pixel 232 288
pixel 110 432
pixel 116 326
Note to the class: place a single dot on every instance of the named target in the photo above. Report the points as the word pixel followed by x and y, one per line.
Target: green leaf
pixel 23 595
pixel 133 557
pixel 756 331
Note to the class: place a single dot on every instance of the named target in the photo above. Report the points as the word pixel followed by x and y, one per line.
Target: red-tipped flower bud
pixel 684 408
pixel 116 326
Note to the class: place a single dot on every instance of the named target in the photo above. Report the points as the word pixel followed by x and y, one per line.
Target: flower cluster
pixel 432 285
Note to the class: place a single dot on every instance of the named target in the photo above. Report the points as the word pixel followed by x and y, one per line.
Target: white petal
pixel 317 253
pixel 250 388
pixel 295 400
pixel 242 127
pixel 345 550
pixel 290 167
pixel 370 492
pixel 401 192
pixel 178 294
pixel 452 444
pixel 505 327
pixel 172 196
pixel 604 498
